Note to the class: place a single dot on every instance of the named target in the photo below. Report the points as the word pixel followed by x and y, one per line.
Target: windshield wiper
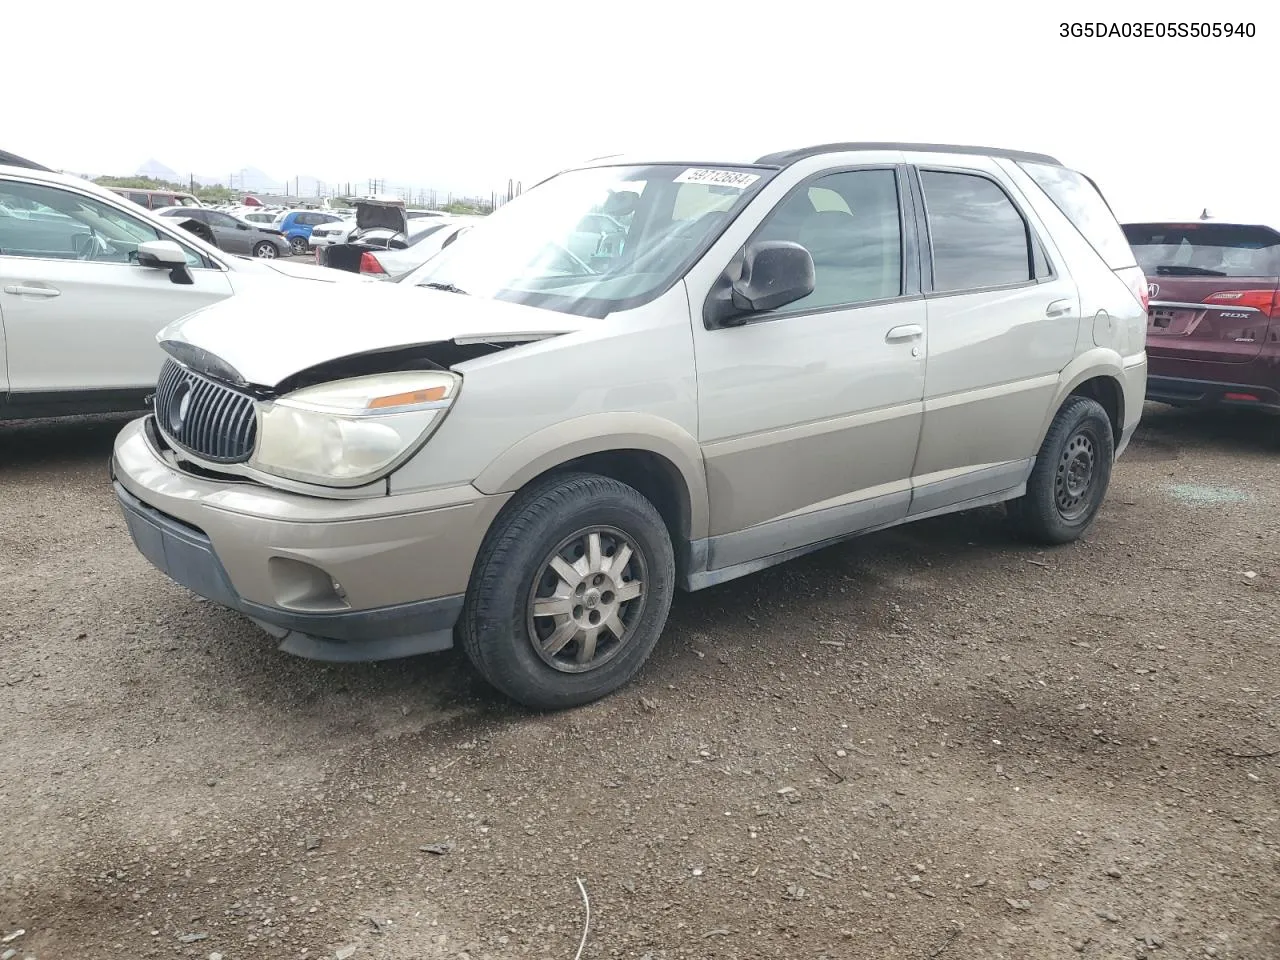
pixel 1173 270
pixel 446 287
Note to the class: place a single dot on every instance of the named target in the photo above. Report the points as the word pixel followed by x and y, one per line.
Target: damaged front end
pixel 338 428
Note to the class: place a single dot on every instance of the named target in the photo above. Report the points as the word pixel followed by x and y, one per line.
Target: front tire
pixel 1071 475
pixel 266 250
pixel 570 592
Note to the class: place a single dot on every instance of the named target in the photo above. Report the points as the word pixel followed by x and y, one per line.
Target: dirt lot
pixel 928 743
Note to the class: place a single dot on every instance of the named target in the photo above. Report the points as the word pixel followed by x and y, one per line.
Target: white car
pixel 327 234
pixel 426 239
pixel 255 215
pixel 331 234
pixel 87 280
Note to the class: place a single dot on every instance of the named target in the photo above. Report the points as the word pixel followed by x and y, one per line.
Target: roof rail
pixel 786 157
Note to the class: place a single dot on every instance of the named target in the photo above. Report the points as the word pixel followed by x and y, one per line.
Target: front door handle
pixel 908 331
pixel 1059 308
pixel 21 290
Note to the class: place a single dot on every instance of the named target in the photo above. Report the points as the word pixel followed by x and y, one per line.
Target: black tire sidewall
pixel 1037 512
pixel 496 634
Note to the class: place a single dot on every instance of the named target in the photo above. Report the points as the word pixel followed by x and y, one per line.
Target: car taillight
pixel 1137 282
pixel 1262 300
pixel 369 264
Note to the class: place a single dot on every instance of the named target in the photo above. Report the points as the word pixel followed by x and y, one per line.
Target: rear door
pixel 1002 324
pixel 1213 288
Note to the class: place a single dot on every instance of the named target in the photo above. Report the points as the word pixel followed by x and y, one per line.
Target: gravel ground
pixel 931 742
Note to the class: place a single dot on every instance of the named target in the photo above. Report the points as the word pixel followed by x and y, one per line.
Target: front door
pixel 809 415
pixel 79 313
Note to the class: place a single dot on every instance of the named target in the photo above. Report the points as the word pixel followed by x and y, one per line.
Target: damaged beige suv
pixel 532 441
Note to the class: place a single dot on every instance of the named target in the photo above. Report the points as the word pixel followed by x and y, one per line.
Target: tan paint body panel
pixel 384 551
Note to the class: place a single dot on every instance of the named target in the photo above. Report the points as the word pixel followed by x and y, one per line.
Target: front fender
pixel 601 433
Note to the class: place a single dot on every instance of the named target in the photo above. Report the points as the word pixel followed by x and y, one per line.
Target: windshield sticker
pixel 718 178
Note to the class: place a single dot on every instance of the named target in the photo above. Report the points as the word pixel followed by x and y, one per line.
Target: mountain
pixel 158 171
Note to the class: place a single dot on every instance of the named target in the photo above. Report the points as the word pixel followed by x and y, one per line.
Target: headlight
pixel 350 432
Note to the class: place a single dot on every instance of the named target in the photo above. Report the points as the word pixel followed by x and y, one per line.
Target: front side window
pixel 62 225
pixel 851 226
pixel 977 235
pixel 221 220
pixel 534 249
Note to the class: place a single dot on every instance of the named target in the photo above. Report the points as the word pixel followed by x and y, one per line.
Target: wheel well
pixel 656 477
pixel 1105 390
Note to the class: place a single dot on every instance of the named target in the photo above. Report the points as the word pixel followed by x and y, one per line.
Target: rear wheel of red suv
pixel 1071 475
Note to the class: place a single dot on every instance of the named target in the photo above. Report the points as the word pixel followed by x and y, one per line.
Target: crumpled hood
pixel 277 330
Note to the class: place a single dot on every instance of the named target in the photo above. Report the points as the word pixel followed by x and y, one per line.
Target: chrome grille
pixel 205 418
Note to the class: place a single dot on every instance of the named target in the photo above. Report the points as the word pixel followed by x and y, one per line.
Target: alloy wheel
pixel 587 599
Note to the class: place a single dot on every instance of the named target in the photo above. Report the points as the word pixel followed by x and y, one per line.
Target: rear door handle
pixel 908 331
pixel 1059 308
pixel 21 290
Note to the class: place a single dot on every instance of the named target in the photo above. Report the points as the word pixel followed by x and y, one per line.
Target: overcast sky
pixel 471 93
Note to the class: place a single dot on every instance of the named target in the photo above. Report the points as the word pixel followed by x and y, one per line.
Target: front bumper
pixel 341 580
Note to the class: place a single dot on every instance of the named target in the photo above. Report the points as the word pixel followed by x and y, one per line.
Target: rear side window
pixel 1082 204
pixel 978 237
pixel 1205 249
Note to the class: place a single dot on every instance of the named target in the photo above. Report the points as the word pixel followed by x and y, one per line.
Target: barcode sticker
pixel 718 178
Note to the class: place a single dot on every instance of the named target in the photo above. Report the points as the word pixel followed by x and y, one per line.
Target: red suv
pixel 1213 288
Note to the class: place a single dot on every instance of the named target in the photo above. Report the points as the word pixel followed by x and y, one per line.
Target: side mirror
pixel 165 255
pixel 243 226
pixel 766 275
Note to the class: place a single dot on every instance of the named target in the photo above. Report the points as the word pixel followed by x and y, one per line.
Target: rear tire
pixel 570 592
pixel 298 245
pixel 266 250
pixel 1071 475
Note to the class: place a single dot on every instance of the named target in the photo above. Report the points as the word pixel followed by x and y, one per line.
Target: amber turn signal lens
pixel 408 399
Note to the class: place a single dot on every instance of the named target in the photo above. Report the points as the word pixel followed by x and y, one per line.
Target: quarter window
pixel 850 224
pixel 978 237
pixel 1082 204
